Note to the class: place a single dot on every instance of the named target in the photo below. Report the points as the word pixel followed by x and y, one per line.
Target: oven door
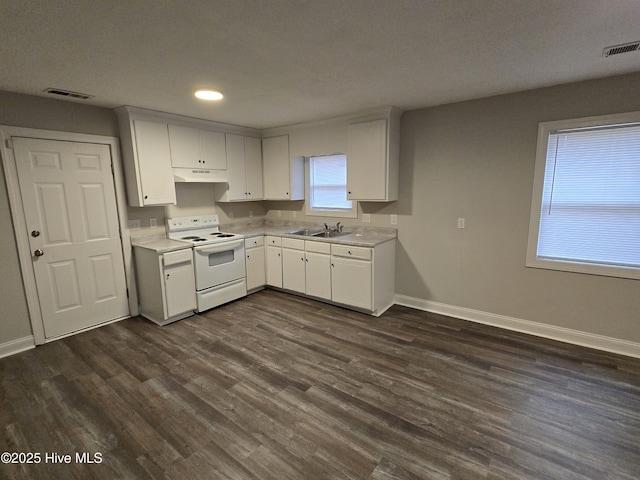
pixel 219 263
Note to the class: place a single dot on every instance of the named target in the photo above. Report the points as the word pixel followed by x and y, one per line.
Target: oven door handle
pixel 219 247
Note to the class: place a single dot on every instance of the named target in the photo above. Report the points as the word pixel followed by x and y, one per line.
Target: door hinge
pixel 8 143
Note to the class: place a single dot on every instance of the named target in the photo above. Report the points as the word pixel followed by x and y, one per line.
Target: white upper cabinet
pixel 244 169
pixel 283 176
pixel 195 148
pixel 147 161
pixel 373 158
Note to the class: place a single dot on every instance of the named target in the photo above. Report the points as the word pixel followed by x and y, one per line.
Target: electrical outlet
pixel 153 222
pixel 134 224
pixel 230 214
pixel 294 214
pixel 394 219
pixel 366 217
pixel 278 213
pixel 461 223
pixel 250 213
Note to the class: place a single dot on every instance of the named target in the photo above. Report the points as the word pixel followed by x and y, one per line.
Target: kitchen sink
pixel 329 234
pixel 318 233
pixel 305 232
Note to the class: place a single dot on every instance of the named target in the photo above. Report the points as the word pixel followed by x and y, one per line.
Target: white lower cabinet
pixel 255 256
pixel 166 284
pixel 351 282
pixel 318 269
pixel 273 260
pixel 362 278
pixel 293 265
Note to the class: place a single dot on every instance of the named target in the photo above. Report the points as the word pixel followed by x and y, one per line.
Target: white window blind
pixel 328 183
pixel 590 208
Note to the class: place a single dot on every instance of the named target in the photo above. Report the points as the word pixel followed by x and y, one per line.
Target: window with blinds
pixel 327 193
pixel 586 210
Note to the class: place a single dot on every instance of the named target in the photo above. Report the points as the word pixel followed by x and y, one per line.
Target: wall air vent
pixel 68 94
pixel 618 49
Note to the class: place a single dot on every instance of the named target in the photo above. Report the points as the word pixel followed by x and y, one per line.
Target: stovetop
pixel 198 230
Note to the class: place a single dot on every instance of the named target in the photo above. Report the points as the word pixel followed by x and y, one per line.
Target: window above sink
pixel 326 192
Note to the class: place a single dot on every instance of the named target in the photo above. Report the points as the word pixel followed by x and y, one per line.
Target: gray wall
pixel 476 160
pixel 47 114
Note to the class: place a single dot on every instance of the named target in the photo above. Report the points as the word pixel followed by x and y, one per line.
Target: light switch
pixel 366 217
pixel 461 223
pixel 394 219
pixel 134 224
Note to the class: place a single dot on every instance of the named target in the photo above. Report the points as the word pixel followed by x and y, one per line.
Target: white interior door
pixel 70 211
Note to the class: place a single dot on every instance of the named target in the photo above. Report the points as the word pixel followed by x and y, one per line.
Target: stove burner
pixel 225 235
pixel 215 234
pixel 192 237
pixel 199 239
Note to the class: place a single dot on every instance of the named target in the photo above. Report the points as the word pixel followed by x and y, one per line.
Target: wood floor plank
pixel 278 386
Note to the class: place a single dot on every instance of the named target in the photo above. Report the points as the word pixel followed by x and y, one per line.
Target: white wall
pixel 476 160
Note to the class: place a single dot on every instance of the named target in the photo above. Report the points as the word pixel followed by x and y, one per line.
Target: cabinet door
pixel 180 289
pixel 212 150
pixel 293 277
pixel 154 163
pixel 236 169
pixel 185 152
pixel 274 266
pixel 255 268
pixel 367 160
pixel 253 166
pixel 275 157
pixel 351 282
pixel 318 275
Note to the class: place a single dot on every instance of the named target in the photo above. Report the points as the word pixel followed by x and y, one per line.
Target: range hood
pixel 200 175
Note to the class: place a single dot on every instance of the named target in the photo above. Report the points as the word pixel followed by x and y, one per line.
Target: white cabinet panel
pixel 373 157
pixel 273 253
pixel 194 148
pixel 244 169
pixel 153 159
pixel 180 289
pixel 256 267
pixel 351 282
pixel 283 175
pixel 318 275
pixel 293 270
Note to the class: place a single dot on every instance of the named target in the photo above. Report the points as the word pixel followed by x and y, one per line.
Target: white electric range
pixel 218 259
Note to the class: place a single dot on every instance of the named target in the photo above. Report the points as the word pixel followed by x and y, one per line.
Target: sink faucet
pixel 338 227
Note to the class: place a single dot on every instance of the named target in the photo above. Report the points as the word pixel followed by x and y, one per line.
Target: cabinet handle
pixel 332 265
pixel 349 252
pixel 306 260
pixel 278 254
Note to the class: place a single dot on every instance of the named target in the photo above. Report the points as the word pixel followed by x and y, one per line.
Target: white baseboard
pixel 16 346
pixel 567 335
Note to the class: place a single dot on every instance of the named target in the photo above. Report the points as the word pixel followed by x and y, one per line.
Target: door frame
pixel 20 224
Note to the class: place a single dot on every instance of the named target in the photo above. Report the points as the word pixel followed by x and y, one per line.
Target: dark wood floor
pixel 280 387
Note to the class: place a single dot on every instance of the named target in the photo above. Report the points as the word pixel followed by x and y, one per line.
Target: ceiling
pixel 280 62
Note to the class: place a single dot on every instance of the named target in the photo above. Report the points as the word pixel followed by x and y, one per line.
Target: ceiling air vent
pixel 68 94
pixel 618 49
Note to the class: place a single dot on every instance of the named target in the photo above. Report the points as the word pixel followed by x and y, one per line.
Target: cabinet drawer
pixel 179 256
pixel 349 251
pixel 318 247
pixel 294 243
pixel 274 241
pixel 253 242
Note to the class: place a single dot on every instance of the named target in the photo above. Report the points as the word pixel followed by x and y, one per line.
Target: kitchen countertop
pixel 160 245
pixel 358 236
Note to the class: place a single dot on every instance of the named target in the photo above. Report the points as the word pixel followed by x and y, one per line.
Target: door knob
pixel 35 233
pixel 39 252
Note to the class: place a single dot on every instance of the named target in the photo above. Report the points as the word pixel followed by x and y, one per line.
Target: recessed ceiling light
pixel 208 94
